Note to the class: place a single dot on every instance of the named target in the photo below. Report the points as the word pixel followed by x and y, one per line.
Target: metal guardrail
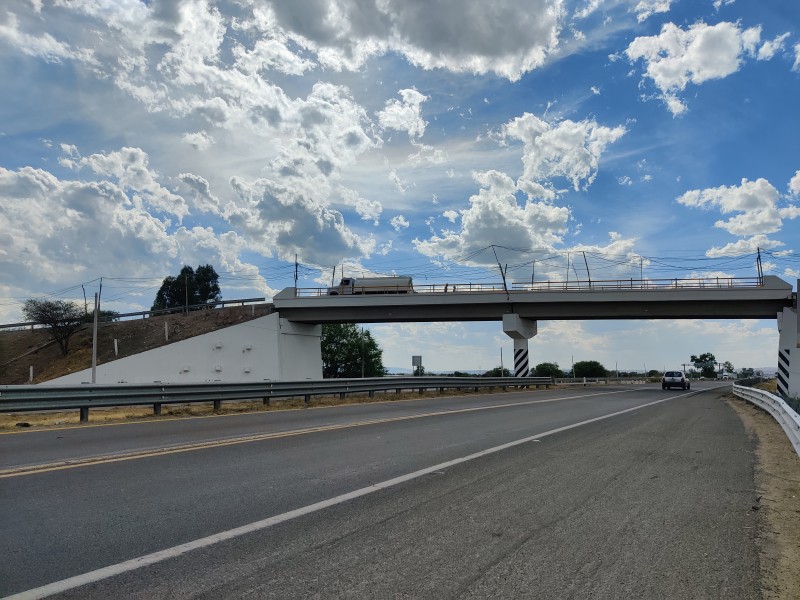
pixel 600 380
pixel 709 283
pixel 788 419
pixel 153 313
pixel 22 398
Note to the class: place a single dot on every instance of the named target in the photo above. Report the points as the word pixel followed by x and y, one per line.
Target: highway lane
pixel 616 477
pixel 27 448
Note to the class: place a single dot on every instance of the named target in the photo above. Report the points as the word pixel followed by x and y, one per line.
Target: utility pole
pixel 362 353
pixel 589 275
pixel 760 268
pixel 502 273
pixel 94 338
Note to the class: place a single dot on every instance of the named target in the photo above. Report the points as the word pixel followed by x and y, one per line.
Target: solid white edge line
pixel 70 583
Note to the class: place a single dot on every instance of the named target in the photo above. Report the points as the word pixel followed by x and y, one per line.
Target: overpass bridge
pixel 718 298
pixel 523 304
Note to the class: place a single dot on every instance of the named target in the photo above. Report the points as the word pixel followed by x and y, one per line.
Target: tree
pixel 189 288
pixel 497 372
pixel 347 350
pixel 654 373
pixel 419 371
pixel 588 368
pixel 62 318
pixel 103 316
pixel 547 369
pixel 706 363
pixel 727 367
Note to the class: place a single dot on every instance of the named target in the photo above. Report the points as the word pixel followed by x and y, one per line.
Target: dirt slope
pixel 21 349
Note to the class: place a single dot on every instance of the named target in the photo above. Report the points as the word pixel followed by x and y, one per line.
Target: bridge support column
pixel 789 353
pixel 520 330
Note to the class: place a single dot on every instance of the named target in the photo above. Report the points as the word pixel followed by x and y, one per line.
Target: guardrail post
pixel 217 405
pixel 265 400
pixel 157 408
pixel 84 414
pixel 421 391
pixel 307 398
pixel 372 393
pixel 341 395
pixel 397 391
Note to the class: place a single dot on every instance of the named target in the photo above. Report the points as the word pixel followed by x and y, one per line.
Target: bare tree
pixel 62 318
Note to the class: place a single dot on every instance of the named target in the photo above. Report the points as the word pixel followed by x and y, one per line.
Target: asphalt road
pixel 654 502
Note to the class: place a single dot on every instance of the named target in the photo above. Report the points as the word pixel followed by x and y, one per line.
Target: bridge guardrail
pixel 787 418
pixel 153 313
pixel 570 286
pixel 22 398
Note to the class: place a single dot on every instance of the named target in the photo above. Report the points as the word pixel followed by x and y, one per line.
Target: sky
pixel 610 139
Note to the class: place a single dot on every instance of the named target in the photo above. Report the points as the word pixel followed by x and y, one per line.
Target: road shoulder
pixel 778 485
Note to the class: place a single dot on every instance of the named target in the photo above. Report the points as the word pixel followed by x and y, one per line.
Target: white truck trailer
pixel 351 286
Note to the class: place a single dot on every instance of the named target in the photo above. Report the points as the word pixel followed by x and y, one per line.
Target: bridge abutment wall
pixel 267 348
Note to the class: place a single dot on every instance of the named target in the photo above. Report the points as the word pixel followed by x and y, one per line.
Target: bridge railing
pixel 709 283
pixel 154 313
pixel 23 398
pixel 787 418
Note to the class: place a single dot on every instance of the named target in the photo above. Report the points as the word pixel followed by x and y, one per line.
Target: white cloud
pixel 130 168
pixel 368 210
pixel 62 231
pixel 294 219
pixel 404 115
pixel 494 216
pixel 200 189
pixel 399 222
pixel 507 37
pixel 744 246
pixel 271 55
pixel 568 149
pixel 677 57
pixel 595 90
pixel 758 213
pixel 450 215
pixel 625 180
pixel 199 140
pixel 771 47
pixel 591 7
pixel 755 202
pixel 43 46
pixel 647 8
pixel 52 233
pixel 796 65
pixel 397 182
pixel 720 3
pixel 794 184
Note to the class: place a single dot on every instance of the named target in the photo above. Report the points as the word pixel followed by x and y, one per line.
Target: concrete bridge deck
pixel 577 300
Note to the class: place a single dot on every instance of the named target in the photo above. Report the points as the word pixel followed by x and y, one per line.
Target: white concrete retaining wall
pixel 267 348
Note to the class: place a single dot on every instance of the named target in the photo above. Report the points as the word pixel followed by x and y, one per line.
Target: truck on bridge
pixel 351 286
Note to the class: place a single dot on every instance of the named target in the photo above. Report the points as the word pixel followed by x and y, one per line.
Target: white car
pixel 675 379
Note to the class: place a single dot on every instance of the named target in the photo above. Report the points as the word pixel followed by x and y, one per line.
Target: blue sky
pixel 657 137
